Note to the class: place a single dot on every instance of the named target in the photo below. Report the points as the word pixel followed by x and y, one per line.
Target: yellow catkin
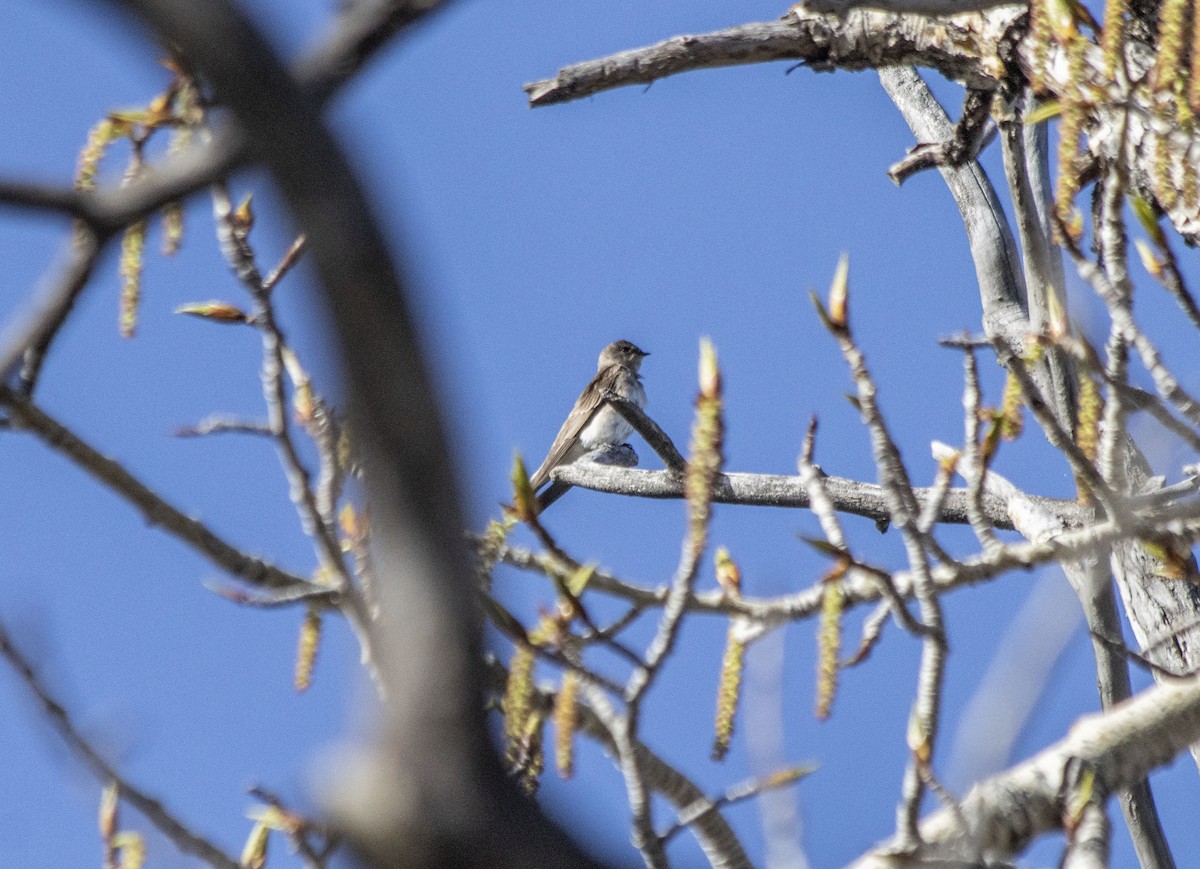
pixel 1164 183
pixel 133 246
pixel 172 224
pixel 532 755
pixel 1012 419
pixel 566 721
pixel 1113 38
pixel 99 138
pixel 829 645
pixel 728 692
pixel 1172 34
pixel 306 648
pixel 1091 409
pixel 518 697
pixel 1191 183
pixel 1039 34
pixel 1074 116
pixel 1194 76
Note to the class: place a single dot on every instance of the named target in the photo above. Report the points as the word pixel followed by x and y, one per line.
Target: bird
pixel 592 424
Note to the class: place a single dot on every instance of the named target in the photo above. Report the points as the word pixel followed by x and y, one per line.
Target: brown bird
pixel 591 423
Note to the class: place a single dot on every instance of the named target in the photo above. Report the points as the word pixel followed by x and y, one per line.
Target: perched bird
pixel 591 423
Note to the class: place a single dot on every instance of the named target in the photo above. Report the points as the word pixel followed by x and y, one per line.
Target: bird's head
pixel 622 353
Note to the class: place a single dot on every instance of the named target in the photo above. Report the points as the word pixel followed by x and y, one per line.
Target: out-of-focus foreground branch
pixel 430 791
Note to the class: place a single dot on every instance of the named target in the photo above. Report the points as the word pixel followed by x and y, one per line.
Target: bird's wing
pixel 568 436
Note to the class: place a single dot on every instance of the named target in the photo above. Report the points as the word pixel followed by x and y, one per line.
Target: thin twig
pixel 1176 520
pixel 973 467
pixel 972 132
pixel 733 795
pixel 156 510
pixel 185 839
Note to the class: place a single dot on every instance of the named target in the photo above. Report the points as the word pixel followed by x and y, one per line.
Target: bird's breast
pixel 607 427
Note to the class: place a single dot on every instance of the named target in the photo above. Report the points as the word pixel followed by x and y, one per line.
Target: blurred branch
pixel 154 811
pixel 432 741
pixel 362 29
pixel 200 537
pixel 44 314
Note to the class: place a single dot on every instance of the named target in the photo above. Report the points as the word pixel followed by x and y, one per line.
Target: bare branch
pixel 775 490
pixel 993 249
pixel 955 48
pixel 970 135
pixel 1122 745
pixel 156 510
pixel 184 838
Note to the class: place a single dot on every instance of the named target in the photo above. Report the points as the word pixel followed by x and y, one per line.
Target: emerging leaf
pixel 1044 112
pixel 839 293
pixel 1150 261
pixel 729 576
pixel 524 501
pixel 254 853
pixel 218 312
pixel 109 803
pixel 132 848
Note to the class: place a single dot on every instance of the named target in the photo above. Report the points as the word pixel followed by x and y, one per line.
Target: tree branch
pixel 185 839
pixel 777 490
pixel 156 510
pixel 430 785
pixel 1006 812
pixel 957 48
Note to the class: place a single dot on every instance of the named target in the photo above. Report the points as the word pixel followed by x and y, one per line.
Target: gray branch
pixel 956 48
pixel 777 490
pixel 1006 812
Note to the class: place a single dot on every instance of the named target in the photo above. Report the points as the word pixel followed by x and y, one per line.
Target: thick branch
pixel 1006 812
pixel 777 490
pixel 961 48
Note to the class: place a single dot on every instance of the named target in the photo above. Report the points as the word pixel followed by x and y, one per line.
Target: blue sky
pixel 706 205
